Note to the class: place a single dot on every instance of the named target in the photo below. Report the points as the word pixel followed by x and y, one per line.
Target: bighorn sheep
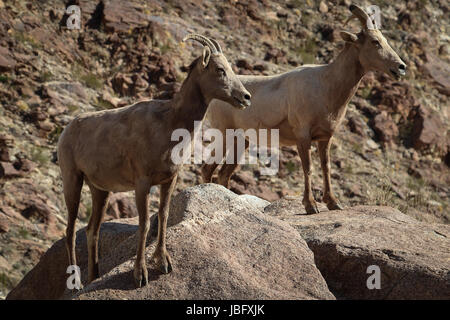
pixel 308 103
pixel 129 148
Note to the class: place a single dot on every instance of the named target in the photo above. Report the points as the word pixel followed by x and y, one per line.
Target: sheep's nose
pixel 402 69
pixel 247 96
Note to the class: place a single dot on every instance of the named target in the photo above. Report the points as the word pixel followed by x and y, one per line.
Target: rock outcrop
pixel 223 247
pixel 229 246
pixel 413 257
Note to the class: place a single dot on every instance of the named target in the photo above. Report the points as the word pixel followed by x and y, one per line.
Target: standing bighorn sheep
pixel 130 148
pixel 308 103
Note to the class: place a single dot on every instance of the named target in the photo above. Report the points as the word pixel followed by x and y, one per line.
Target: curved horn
pixel 217 45
pixel 203 40
pixel 362 16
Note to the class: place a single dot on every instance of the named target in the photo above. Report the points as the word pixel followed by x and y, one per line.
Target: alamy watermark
pixel 74 280
pixel 374 281
pixel 263 147
pixel 74 19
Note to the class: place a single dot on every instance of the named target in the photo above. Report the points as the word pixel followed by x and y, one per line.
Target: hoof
pixel 166 268
pixel 311 209
pixel 140 276
pixel 335 206
pixel 163 262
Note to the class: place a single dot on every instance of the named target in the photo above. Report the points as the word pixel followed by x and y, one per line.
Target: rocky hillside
pixel 392 149
pixel 226 246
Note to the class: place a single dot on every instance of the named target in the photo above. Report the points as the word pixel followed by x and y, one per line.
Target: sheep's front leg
pixel 161 257
pixel 304 150
pixel 328 196
pixel 142 199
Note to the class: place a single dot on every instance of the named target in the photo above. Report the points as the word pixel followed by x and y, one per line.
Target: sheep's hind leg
pixel 328 197
pixel 225 173
pixel 160 256
pixel 207 171
pixel 140 272
pixel 304 150
pixel 72 184
pixel 227 169
pixel 99 206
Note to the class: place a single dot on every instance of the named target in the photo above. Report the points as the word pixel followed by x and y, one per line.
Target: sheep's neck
pixel 189 104
pixel 344 76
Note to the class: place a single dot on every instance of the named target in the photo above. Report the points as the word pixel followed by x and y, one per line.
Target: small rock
pixel 371 144
pixel 356 125
pixel 4 225
pixel 6 61
pixel 22 105
pixel 323 7
pixel 46 125
pixel 114 101
pixel 244 64
pixel 428 131
pixel 385 128
pixel 34 101
pixel 259 67
pixel 434 203
pixel 7 170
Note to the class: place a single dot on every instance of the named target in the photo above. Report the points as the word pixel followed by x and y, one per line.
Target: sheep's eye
pixel 376 43
pixel 221 71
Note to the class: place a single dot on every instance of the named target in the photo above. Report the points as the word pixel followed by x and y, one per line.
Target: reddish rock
pixel 8 171
pixel 31 205
pixel 397 97
pixel 439 70
pixel 259 67
pixel 429 132
pixel 25 165
pixel 356 125
pixel 5 143
pixel 385 128
pixel 6 60
pixel 122 16
pixel 4 225
pixel 121 84
pixel 276 55
pixel 243 64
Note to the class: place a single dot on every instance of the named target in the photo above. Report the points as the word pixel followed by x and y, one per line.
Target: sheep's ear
pixel 206 56
pixel 349 37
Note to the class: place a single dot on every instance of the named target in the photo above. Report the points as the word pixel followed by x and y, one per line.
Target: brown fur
pixel 307 104
pixel 129 148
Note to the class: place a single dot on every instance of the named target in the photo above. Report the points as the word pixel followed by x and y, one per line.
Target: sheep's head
pixel 375 53
pixel 216 78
